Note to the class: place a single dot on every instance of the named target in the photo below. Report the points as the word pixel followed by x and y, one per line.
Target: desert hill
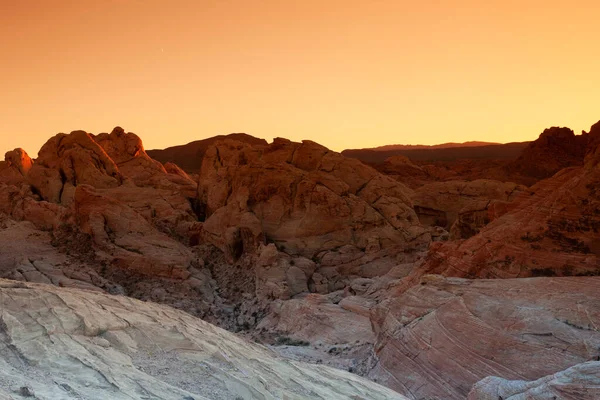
pixel 508 151
pixel 434 146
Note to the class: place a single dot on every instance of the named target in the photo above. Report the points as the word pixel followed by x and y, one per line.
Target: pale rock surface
pixel 315 319
pixel 72 344
pixel 28 254
pixel 581 382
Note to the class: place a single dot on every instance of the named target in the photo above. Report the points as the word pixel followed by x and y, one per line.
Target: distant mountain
pixel 508 151
pixel 189 156
pixel 425 146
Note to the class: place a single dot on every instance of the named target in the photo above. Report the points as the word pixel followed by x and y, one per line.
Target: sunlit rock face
pixel 99 204
pixel 73 344
pixel 302 197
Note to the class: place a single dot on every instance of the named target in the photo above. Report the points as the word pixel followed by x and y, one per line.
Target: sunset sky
pixel 345 73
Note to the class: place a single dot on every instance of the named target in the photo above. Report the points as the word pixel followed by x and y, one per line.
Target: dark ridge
pixel 189 156
pixel 508 151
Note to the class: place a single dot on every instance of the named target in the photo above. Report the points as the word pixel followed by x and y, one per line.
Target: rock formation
pixel 551 230
pixel 581 381
pixel 442 336
pixel 462 208
pixel 555 149
pixel 73 344
pixel 15 166
pixel 302 197
pixel 189 156
pixel 318 255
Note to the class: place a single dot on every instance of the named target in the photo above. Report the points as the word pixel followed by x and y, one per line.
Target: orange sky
pixel 343 73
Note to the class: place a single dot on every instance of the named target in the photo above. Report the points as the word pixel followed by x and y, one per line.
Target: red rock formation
pixel 555 149
pixel 15 166
pixel 303 197
pixel 66 161
pixel 442 336
pixel 554 230
pixel 462 207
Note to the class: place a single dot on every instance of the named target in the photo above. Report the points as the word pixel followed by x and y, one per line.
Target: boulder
pixel 71 160
pixel 15 167
pixel 581 381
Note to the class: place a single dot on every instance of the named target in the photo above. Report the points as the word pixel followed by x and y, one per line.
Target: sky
pixel 346 74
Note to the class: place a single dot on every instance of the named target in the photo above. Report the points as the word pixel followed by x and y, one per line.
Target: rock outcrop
pixel 404 170
pixel 66 161
pixel 302 197
pixel 440 337
pixel 460 207
pixel 15 167
pixel 72 344
pixel 581 382
pixel 301 248
pixel 551 230
pixel 555 149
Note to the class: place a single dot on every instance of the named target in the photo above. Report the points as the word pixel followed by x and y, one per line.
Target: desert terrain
pixel 235 268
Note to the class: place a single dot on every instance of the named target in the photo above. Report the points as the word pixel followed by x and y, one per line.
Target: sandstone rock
pixel 305 198
pixel 127 151
pixel 132 242
pixel 404 170
pixel 75 159
pixel 15 167
pixel 313 318
pixel 461 207
pixel 189 156
pixel 581 381
pixel 106 340
pixel 442 336
pixel 592 151
pixel 553 231
pixel 555 149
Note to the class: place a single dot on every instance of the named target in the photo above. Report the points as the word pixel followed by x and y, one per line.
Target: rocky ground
pixel 317 257
pixel 59 343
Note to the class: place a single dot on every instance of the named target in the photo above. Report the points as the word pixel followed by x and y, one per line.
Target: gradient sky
pixel 345 73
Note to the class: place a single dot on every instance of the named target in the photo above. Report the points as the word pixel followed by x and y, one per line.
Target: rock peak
pixel 117 130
